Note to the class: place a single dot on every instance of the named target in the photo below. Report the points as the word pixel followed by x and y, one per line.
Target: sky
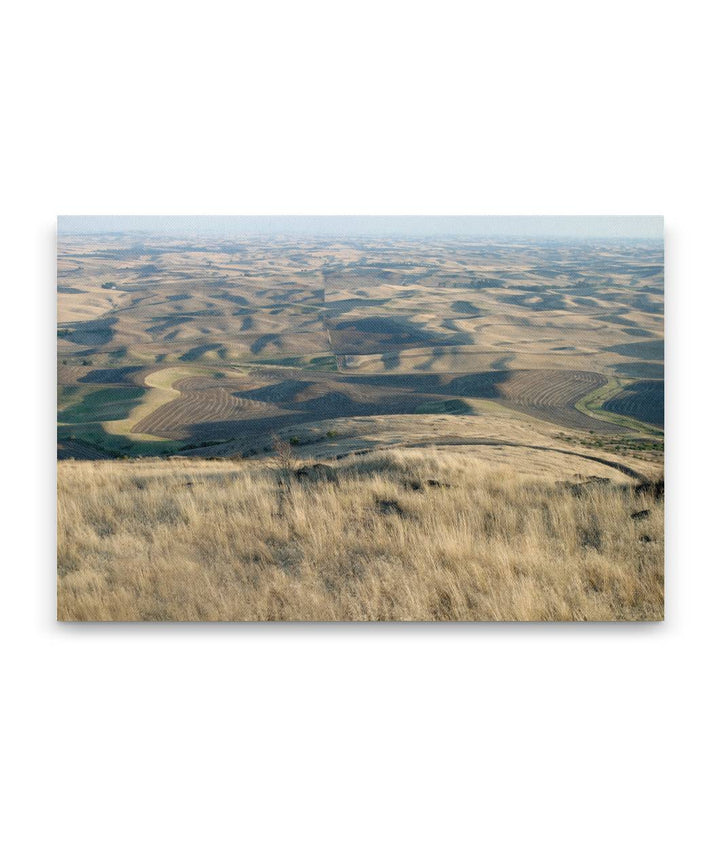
pixel 628 227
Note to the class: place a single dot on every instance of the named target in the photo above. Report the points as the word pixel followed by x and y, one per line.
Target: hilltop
pixel 400 535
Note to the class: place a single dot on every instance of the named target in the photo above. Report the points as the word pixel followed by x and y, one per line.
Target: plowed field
pixel 552 395
pixel 203 401
pixel 644 400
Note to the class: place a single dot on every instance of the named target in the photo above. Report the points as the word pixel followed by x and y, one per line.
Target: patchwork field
pixel 317 429
pixel 188 347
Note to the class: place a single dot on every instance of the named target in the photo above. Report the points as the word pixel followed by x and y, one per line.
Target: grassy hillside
pixel 400 535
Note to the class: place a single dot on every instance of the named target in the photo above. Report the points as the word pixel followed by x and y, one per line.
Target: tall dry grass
pixel 206 541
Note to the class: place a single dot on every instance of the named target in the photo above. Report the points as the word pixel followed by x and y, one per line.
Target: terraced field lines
pixel 551 395
pixel 643 400
pixel 192 408
pixel 592 405
pixel 550 388
pixel 204 400
pixel 161 391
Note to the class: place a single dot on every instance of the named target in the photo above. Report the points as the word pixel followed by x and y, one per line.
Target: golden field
pixel 168 345
pixel 402 535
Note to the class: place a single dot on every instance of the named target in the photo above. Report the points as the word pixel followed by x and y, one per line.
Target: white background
pixel 359 739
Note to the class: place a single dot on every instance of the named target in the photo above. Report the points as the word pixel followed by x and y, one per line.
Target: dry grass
pixel 204 541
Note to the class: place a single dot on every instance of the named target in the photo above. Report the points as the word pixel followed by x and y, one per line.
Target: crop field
pixel 170 345
pixel 202 401
pixel 643 400
pixel 552 395
pixel 334 428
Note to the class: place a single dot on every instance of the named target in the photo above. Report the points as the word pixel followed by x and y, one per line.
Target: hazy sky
pixel 521 226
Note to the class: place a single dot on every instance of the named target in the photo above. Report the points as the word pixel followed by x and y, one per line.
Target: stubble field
pixel 249 337
pixel 491 413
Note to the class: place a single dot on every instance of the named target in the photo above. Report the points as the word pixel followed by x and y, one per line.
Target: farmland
pixel 170 345
pixel 359 428
pixel 640 400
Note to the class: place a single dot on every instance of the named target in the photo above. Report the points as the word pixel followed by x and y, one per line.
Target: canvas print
pixel 360 418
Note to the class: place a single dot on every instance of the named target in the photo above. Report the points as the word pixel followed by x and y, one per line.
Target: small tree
pixel 284 455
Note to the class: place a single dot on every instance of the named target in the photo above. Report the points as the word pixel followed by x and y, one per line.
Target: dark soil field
pixel 172 346
pixel 644 400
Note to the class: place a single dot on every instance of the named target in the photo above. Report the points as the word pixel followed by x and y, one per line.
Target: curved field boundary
pixel 197 404
pixel 642 400
pixel 550 395
pixel 553 395
pixel 551 388
pixel 439 444
pixel 593 404
pixel 161 391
